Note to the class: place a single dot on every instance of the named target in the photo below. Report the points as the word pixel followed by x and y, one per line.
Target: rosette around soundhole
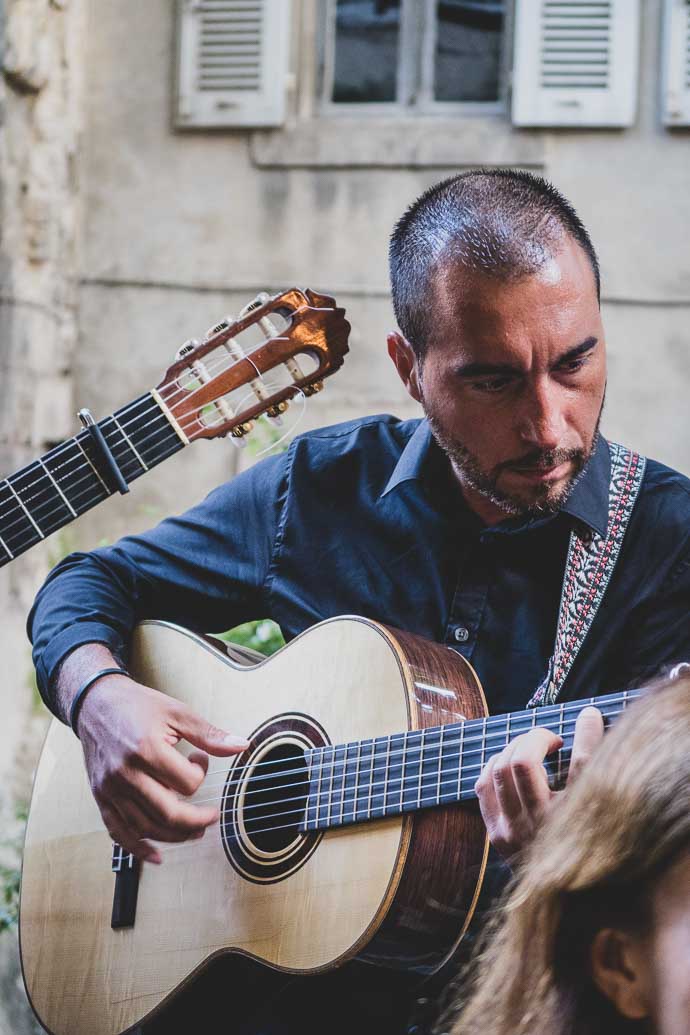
pixel 265 799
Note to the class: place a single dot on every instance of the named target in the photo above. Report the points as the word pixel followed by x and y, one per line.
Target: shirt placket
pixel 469 599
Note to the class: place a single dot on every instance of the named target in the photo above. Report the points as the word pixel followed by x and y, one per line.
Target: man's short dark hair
pixel 503 222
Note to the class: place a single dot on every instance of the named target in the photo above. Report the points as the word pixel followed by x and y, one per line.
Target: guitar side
pixel 356 892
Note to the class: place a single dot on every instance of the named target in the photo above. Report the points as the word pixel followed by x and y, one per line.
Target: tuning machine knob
pixel 188 347
pixel 242 429
pixel 275 411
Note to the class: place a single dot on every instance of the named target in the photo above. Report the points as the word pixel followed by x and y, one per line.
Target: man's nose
pixel 542 423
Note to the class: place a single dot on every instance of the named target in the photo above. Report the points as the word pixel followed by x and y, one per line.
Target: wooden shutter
pixel 575 63
pixel 676 95
pixel 232 62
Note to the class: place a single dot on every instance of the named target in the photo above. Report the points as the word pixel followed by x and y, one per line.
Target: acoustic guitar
pixel 215 387
pixel 346 829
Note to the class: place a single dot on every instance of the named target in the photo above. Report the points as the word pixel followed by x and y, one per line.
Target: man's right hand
pixel 128 733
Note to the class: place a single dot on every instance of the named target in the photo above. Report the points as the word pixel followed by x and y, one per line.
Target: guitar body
pixel 398 891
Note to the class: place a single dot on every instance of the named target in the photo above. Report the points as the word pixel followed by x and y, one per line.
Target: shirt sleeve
pixel 205 569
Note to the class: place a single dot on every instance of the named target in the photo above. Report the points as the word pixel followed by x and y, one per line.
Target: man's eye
pixel 574 365
pixel 495 385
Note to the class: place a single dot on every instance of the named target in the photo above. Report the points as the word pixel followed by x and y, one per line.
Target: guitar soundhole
pixel 265 800
pixel 276 798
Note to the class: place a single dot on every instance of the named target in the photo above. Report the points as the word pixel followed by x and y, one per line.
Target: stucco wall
pixel 181 227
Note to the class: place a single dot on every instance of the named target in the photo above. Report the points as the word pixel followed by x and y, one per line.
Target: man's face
pixel 513 381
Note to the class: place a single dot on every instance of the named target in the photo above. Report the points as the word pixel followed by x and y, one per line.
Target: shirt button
pixel 461 634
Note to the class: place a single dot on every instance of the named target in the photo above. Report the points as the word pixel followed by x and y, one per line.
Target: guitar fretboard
pixel 70 479
pixel 405 772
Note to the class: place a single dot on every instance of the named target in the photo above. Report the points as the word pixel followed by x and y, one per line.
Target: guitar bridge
pixel 126 869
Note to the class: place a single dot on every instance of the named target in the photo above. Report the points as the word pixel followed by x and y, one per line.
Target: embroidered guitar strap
pixel 588 569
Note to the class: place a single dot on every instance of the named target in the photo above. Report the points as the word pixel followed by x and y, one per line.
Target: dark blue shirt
pixel 366 518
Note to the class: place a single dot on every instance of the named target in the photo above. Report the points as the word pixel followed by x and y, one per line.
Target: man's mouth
pixel 542 473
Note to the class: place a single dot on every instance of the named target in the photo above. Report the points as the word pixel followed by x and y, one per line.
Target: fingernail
pixel 235 742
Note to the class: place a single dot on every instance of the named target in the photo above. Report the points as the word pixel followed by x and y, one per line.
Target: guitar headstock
pixel 277 347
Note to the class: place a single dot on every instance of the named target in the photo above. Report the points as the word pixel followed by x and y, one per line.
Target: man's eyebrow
pixel 474 370
pixel 579 350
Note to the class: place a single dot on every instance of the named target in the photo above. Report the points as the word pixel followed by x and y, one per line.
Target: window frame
pixel 415 80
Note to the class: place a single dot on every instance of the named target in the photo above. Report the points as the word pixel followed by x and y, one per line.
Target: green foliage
pixel 262 635
pixel 10 876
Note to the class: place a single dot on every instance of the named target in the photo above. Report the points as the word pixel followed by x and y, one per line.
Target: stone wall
pixel 40 132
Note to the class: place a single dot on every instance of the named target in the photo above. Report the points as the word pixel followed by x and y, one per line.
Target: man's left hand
pixel 513 789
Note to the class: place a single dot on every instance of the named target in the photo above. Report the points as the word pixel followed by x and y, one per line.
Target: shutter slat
pixel 676 59
pixel 232 62
pixel 575 63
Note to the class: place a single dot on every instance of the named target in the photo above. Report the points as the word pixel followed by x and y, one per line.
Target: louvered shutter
pixel 232 62
pixel 576 63
pixel 676 99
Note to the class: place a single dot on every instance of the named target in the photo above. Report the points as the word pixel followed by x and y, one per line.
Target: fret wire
pixel 385 775
pixel 427 802
pixel 342 795
pixel 357 765
pixel 462 793
pixel 403 770
pixel 608 707
pixel 92 502
pixel 440 762
pixel 56 518
pixel 421 766
pixel 126 439
pixel 371 775
pixel 330 790
pixel 88 460
pixel 11 488
pixel 318 791
pixel 67 502
pixel 61 455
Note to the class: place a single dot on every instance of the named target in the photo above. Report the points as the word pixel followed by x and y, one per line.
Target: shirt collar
pixel 410 465
pixel 588 502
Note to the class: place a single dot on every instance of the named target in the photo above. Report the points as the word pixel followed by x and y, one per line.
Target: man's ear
pixel 406 363
pixel 621 970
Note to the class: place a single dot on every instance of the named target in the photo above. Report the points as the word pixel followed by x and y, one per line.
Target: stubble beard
pixel 544 499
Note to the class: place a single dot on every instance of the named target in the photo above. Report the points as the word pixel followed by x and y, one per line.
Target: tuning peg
pixel 218 327
pixel 188 346
pixel 312 389
pixel 275 411
pixel 241 430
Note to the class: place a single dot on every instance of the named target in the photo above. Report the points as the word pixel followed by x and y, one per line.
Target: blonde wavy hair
pixel 593 865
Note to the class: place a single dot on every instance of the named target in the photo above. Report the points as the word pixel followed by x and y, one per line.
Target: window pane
pixel 366 50
pixel 468 49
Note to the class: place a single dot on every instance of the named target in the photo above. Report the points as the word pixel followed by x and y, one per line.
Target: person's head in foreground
pixel 594 936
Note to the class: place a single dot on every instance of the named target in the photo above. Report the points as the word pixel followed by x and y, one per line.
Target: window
pixel 414 55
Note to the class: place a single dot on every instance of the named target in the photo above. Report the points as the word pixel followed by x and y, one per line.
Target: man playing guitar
pixel 459 527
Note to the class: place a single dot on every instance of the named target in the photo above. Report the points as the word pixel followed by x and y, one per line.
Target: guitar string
pixel 118 427
pixel 324 770
pixel 37 510
pixel 130 461
pixel 499 723
pixel 551 767
pixel 215 369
